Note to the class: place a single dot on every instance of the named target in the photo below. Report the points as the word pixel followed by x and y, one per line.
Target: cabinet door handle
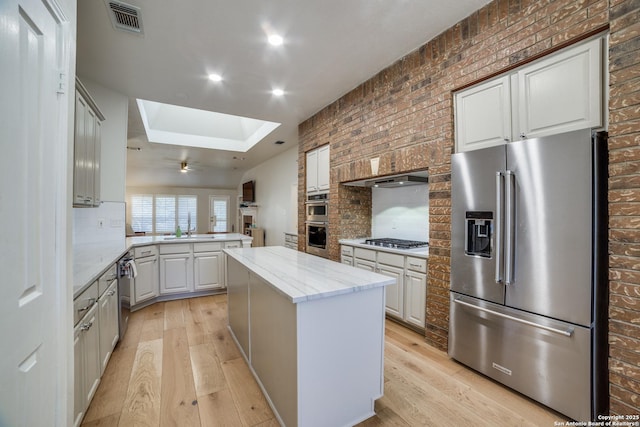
pixel 146 253
pixel 111 293
pixel 91 302
pixel 86 326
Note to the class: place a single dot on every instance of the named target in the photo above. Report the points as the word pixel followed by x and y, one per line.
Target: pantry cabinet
pixel 558 93
pixel 87 146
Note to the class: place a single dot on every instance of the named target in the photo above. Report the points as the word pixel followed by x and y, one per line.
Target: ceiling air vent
pixel 125 16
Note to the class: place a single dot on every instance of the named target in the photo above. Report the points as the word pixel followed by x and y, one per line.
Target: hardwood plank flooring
pixel 179 366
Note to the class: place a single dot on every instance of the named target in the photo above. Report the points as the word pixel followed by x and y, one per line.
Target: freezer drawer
pixel 545 359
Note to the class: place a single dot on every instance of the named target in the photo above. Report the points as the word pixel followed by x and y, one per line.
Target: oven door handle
pixel 316 223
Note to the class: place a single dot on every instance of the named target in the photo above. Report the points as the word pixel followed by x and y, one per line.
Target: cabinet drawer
pixel 177 248
pixel 417 264
pixel 107 278
pixel 84 302
pixel 365 254
pixel 207 247
pixel 145 251
pixel 391 259
pixel 346 250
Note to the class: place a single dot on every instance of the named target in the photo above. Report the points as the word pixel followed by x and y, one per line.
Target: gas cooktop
pixel 396 243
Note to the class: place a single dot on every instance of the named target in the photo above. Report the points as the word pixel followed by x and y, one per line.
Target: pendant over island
pixel 312 332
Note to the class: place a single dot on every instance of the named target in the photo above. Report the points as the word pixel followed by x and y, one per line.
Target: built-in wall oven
pixel 317 238
pixel 317 206
pixel 317 224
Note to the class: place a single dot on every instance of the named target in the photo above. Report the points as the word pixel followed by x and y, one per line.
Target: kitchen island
pixel 312 332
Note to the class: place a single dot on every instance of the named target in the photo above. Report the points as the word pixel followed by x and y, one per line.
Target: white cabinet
pixel 318 166
pixel 483 115
pixel 109 333
pixel 146 282
pixel 86 362
pixel 559 93
pixel 392 265
pixel 406 300
pixel 416 292
pixel 87 135
pixel 208 267
pixel 176 269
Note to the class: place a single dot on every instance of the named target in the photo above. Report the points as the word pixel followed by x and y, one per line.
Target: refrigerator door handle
pixel 509 226
pixel 566 332
pixel 498 234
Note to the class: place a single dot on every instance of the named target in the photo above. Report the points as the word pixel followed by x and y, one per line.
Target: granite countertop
pixel 416 252
pixel 303 277
pixel 92 259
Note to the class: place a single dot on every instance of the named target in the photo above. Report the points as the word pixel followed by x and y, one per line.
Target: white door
pixel 35 324
pixel 218 214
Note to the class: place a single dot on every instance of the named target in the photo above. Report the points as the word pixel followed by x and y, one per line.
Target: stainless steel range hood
pixel 394 181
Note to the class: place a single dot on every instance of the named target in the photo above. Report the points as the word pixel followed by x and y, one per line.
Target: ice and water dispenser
pixel 478 233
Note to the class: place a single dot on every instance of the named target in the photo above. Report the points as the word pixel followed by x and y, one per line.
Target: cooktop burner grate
pixel 396 243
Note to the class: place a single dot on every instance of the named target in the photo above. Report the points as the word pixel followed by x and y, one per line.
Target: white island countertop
pixel 303 277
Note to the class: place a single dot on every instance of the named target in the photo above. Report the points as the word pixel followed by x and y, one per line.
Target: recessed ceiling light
pixel 275 40
pixel 278 92
pixel 215 77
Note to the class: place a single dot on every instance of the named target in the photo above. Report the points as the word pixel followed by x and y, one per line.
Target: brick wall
pixel 404 115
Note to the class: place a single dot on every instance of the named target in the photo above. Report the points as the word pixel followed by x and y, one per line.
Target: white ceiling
pixel 330 47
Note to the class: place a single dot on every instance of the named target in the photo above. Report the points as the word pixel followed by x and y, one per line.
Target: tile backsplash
pixel 400 213
pixel 101 224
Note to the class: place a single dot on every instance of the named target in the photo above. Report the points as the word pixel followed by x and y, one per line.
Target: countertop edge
pixel 270 278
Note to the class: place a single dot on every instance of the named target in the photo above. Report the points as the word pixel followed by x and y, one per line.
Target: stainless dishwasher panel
pixel 545 359
pixel 125 280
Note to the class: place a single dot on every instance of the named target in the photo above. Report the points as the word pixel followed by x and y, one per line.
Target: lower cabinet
pixel 207 270
pixel 146 282
pixel 86 347
pixel 175 273
pixel 109 331
pixel 406 300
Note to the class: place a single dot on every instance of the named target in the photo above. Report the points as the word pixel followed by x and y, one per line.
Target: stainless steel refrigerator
pixel 529 268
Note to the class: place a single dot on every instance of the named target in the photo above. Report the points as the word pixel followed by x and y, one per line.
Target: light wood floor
pixel 179 366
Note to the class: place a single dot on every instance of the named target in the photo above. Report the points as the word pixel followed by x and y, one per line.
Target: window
pixel 219 214
pixel 165 214
pixel 187 207
pixel 162 213
pixel 142 213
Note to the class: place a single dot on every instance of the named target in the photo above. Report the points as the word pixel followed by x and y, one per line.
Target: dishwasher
pixel 126 274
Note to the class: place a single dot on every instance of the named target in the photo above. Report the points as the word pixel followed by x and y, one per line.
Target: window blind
pixel 142 212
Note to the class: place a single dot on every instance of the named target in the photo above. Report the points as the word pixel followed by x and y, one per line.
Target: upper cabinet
pixel 87 135
pixel 318 169
pixel 559 93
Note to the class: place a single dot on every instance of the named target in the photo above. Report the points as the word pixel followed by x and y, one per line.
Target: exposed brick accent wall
pixel 404 115
pixel 624 207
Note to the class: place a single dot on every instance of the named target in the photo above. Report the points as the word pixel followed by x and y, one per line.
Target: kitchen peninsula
pixel 312 332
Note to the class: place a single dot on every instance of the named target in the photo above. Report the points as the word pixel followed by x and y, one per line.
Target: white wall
pixel 113 154
pixel 102 224
pixel 401 213
pixel 276 201
pixel 202 194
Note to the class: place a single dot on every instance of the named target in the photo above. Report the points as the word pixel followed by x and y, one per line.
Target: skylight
pixel 175 125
